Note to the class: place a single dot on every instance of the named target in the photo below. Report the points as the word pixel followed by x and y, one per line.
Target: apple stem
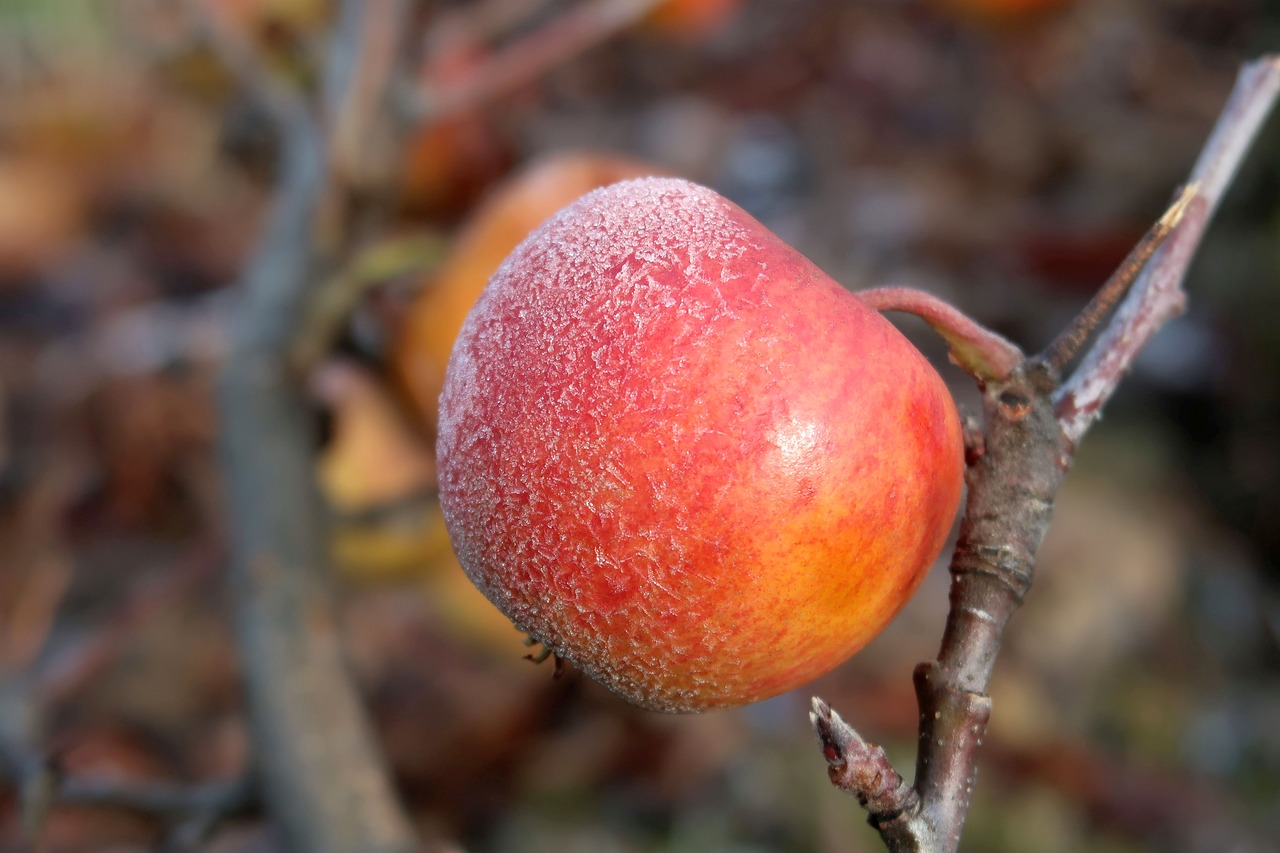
pixel 973 347
pixel 1072 338
pixel 1033 423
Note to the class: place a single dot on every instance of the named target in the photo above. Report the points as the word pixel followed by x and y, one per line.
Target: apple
pixel 1003 11
pixel 683 458
pixel 690 18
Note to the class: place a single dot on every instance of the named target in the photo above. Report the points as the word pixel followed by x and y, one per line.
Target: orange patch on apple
pixel 686 460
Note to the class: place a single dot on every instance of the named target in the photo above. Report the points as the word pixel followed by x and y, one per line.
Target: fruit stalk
pixel 1033 425
pixel 977 350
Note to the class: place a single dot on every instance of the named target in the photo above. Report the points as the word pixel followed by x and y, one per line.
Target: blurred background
pixel 1002 153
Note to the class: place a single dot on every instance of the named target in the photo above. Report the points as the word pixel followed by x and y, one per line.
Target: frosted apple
pixel 683 458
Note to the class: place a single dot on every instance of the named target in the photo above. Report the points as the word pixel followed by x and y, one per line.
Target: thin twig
pixel 859 767
pixel 1011 486
pixel 580 28
pixel 480 21
pixel 163 800
pixel 1070 340
pixel 356 81
pixel 1157 296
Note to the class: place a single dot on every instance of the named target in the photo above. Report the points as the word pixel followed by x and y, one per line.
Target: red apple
pixel 1003 11
pixel 683 458
pixel 690 19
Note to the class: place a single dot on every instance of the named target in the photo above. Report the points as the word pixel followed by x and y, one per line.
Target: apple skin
pixel 683 458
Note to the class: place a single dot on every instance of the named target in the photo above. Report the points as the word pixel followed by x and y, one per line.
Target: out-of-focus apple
pixel 42 211
pixel 1002 11
pixel 686 460
pixel 690 18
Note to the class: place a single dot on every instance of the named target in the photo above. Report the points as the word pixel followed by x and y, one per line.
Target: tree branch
pixel 1016 468
pixel 323 777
